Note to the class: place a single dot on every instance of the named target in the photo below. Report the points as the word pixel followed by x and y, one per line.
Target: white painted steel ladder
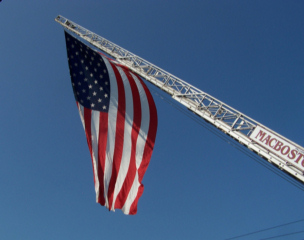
pixel 230 121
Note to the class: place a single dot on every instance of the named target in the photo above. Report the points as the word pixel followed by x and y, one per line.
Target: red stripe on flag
pixel 119 135
pixel 148 147
pixel 129 180
pixel 151 134
pixel 87 124
pixel 102 147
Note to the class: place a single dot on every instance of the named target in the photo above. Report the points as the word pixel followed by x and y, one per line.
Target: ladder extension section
pixel 276 149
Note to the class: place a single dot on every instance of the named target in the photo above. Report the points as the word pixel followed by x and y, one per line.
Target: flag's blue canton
pixel 89 75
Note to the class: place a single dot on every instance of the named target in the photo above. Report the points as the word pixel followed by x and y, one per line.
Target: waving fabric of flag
pixel 120 122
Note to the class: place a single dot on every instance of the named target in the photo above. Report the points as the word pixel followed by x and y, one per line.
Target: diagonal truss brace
pixel 230 121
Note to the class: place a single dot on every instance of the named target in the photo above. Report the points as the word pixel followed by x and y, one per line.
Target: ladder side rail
pixel 227 119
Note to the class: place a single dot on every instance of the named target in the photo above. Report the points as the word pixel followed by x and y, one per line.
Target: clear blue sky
pixel 249 54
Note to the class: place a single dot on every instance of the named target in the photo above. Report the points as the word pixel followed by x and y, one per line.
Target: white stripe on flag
pixel 132 195
pixel 112 113
pixel 94 142
pixel 126 155
pixel 81 113
pixel 145 123
pixel 94 137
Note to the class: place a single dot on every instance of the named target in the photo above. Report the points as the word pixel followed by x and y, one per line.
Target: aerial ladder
pixel 271 146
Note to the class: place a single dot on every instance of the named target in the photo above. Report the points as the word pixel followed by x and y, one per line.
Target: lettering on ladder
pixel 279 146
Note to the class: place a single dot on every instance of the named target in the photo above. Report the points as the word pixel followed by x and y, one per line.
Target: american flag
pixel 120 121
